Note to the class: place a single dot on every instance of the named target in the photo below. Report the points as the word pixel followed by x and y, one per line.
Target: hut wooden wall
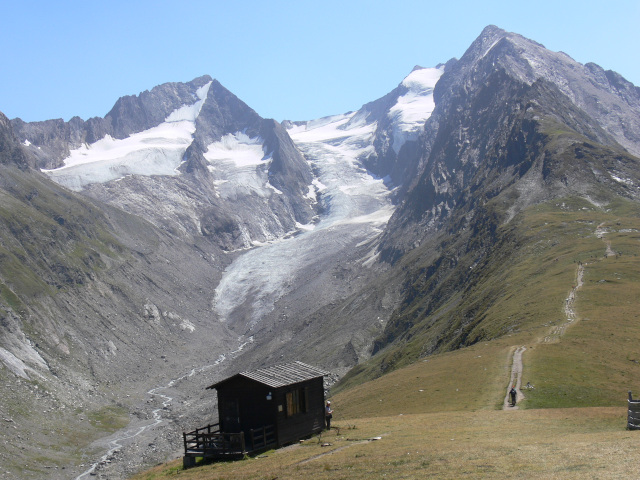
pixel 291 428
pixel 254 410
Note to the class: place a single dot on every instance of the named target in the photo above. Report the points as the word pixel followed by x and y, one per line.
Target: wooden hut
pixel 261 409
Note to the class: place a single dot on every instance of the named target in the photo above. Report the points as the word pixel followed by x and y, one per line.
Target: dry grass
pixel 598 358
pixel 469 379
pixel 553 443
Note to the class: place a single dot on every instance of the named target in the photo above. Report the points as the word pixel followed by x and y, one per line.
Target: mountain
pixel 189 157
pixel 514 127
pixel 145 254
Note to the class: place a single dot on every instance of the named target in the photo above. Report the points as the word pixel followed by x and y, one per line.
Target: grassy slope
pixel 51 239
pixel 557 443
pixel 440 417
pixel 520 286
pixel 597 360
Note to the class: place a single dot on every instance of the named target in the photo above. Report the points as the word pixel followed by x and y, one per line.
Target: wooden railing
pixel 633 414
pixel 209 441
pixel 262 438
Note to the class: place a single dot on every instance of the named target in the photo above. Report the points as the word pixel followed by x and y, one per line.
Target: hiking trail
pixel 556 331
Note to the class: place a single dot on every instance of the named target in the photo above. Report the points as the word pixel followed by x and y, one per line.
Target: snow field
pixel 156 151
pixel 414 108
pixel 240 166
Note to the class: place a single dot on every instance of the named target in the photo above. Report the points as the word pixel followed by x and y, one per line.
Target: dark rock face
pixel 135 113
pixel 610 101
pixel 224 113
pixel 10 150
pixel 288 171
pixel 487 130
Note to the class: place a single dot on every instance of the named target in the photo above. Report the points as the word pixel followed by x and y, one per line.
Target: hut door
pixel 230 415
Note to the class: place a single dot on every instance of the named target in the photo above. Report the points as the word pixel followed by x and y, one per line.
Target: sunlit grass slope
pixel 550 443
pixel 519 287
pixel 598 358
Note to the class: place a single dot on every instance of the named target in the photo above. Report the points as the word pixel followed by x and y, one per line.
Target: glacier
pixel 240 166
pixel 357 206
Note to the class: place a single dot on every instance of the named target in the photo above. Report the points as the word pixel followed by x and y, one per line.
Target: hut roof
pixel 279 375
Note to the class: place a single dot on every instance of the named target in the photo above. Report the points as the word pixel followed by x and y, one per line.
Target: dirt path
pixel 557 331
pixel 569 309
pixel 516 379
pixel 335 450
pixel 601 231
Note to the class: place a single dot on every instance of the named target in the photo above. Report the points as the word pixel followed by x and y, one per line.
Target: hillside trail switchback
pixel 558 330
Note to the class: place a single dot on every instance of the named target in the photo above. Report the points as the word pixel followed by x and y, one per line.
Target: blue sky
pixel 294 60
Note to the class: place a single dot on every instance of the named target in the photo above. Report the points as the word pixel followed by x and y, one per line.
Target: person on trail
pixel 512 394
pixel 328 414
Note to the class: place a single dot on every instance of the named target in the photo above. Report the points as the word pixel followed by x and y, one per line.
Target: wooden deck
pixel 210 443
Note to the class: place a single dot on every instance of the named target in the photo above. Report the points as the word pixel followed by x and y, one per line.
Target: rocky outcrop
pixel 10 151
pixel 49 142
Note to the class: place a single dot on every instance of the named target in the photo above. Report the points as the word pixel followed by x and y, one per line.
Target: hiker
pixel 512 394
pixel 328 414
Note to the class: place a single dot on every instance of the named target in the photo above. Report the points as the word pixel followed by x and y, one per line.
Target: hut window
pixel 296 402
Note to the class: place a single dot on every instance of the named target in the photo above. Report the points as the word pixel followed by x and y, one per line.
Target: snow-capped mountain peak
pixel 156 151
pixel 413 108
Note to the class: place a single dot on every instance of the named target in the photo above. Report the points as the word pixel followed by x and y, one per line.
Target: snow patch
pixel 156 151
pixel 14 364
pixel 18 365
pixel 320 187
pixel 625 181
pixel 187 325
pixel 413 109
pixel 236 148
pixel 490 48
pixel 190 112
pixel 239 166
pixel 307 228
